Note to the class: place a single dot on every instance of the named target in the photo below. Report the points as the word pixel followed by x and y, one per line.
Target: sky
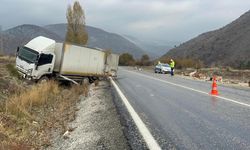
pixel 155 20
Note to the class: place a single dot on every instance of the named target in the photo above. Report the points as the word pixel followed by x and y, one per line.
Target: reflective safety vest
pixel 172 64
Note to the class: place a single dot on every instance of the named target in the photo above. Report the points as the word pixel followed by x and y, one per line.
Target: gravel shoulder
pixel 97 124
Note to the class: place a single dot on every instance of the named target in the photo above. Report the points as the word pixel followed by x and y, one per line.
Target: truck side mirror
pixel 17 51
pixel 36 67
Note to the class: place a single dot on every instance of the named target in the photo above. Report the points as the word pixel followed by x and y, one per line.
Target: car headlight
pixel 29 72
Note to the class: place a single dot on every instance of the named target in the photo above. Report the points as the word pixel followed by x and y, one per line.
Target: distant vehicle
pixel 43 58
pixel 162 68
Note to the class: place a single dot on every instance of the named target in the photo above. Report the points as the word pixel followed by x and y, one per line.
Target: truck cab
pixel 36 59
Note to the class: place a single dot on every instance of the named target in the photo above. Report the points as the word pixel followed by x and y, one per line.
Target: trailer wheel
pixel 43 79
pixel 91 80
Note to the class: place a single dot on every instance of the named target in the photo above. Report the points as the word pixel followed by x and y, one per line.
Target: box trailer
pixel 42 58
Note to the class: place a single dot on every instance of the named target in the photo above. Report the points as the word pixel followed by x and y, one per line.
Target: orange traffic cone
pixel 214 87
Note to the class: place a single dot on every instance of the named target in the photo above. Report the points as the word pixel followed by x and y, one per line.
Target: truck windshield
pixel 28 55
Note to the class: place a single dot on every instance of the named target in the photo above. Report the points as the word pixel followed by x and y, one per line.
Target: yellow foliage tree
pixel 76 32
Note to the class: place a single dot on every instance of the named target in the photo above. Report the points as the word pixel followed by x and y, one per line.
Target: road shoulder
pixel 97 125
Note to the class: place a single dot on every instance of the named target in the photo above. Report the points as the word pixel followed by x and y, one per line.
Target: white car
pixel 162 68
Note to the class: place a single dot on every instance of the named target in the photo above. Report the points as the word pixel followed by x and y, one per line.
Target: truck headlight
pixel 29 71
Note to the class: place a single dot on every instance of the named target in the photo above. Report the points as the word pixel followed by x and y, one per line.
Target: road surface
pixel 181 115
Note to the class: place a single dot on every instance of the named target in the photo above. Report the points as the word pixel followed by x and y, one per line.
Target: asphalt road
pixel 181 116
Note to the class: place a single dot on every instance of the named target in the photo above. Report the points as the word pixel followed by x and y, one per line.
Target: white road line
pixel 185 87
pixel 149 139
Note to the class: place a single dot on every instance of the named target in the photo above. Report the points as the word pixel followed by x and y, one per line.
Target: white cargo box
pixel 84 61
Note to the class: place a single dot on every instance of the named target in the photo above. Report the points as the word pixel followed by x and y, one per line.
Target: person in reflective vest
pixel 172 65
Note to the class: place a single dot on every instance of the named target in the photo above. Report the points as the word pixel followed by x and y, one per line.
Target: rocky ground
pixel 225 76
pixel 97 124
pixel 8 83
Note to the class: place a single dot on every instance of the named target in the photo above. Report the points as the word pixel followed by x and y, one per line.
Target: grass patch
pixel 36 96
pixel 12 70
pixel 7 58
pixel 28 117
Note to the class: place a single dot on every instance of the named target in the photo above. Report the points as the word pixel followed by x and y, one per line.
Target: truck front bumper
pixel 23 74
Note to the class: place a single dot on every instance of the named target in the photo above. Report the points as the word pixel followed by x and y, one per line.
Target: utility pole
pixel 1 41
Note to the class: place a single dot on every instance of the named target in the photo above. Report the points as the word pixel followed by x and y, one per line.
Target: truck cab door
pixel 45 65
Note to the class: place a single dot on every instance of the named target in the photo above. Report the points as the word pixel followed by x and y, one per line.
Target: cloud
pixel 169 20
pixel 40 12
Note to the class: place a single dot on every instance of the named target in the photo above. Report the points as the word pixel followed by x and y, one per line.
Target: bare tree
pixel 76 32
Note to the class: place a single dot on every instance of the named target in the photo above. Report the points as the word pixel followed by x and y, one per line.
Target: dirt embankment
pixel 50 116
pixel 226 76
pixel 30 112
pixel 9 84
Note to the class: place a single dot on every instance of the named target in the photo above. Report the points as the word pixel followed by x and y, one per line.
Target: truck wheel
pixel 43 79
pixel 84 81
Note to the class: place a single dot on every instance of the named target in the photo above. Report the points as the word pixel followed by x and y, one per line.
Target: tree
pixel 76 32
pixel 241 64
pixel 248 65
pixel 145 61
pixel 126 59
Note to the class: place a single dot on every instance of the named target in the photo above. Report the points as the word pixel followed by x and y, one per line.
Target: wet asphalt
pixel 180 118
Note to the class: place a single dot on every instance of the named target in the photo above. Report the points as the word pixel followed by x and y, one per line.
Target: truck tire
pixel 43 79
pixel 84 81
pixel 91 80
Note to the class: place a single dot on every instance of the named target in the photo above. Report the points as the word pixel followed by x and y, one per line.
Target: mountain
pixel 102 39
pixel 227 46
pixel 153 48
pixel 4 44
pixel 20 35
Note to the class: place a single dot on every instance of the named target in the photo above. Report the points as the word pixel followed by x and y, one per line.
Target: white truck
pixel 42 58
